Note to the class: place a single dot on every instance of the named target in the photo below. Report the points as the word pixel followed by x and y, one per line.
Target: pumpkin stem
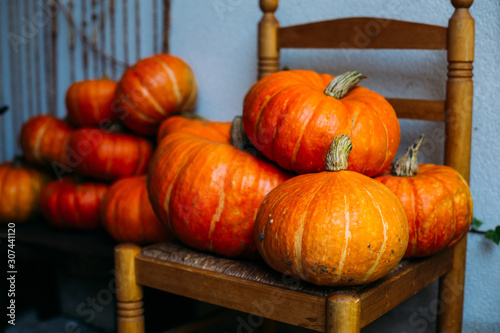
pixel 407 165
pixel 336 158
pixel 239 138
pixel 342 84
pixel 18 161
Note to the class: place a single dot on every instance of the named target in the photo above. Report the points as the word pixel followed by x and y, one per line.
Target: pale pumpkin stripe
pixel 38 141
pixel 216 218
pixel 384 243
pixel 300 232
pixel 173 79
pixel 347 238
pixel 190 102
pixel 142 116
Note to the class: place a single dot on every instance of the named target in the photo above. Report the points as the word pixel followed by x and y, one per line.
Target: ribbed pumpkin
pixel 292 117
pixel 90 102
pixel 436 199
pixel 127 213
pixel 153 89
pixel 66 203
pixel 20 188
pixel 107 156
pixel 44 140
pixel 333 228
pixel 193 125
pixel 208 192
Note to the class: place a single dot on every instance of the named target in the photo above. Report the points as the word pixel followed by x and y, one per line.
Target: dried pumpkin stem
pixel 407 165
pixel 239 138
pixel 336 158
pixel 342 84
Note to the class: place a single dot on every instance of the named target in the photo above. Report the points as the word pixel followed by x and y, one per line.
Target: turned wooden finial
pixel 268 5
pixel 460 3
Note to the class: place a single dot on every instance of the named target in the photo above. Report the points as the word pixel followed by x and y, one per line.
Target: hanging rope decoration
pixel 86 39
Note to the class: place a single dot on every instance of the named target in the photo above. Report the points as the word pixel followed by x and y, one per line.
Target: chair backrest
pixel 457 39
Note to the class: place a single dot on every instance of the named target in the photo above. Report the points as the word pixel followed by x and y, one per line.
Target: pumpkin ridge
pixel 173 80
pixel 139 114
pixel 300 231
pixel 38 141
pixel 4 175
pixel 414 194
pixel 384 243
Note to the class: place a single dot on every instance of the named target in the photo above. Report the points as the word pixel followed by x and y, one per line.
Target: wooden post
pixel 268 39
pixel 343 313
pixel 458 123
pixel 128 292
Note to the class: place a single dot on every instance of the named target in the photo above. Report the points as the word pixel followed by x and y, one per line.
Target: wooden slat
pixel 235 293
pixel 363 33
pixel 418 109
pixel 390 291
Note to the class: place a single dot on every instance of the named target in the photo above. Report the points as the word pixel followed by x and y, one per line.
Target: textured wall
pixel 218 39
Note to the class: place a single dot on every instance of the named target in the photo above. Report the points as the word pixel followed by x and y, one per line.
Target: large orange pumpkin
pixel 335 227
pixel 107 156
pixel 44 140
pixel 66 203
pixel 436 199
pixel 127 213
pixel 153 89
pixel 292 116
pixel 20 188
pixel 208 192
pixel 90 102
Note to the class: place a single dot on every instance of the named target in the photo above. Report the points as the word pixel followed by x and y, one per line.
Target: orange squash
pixel 292 117
pixel 127 214
pixel 69 204
pixel 436 199
pixel 153 89
pixel 191 122
pixel 90 102
pixel 207 191
pixel 44 140
pixel 336 227
pixel 20 188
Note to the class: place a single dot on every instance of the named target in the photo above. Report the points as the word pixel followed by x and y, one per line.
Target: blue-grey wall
pixel 218 39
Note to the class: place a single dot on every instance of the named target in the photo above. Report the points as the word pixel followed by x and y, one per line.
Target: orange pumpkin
pixel 20 188
pixel 333 228
pixel 436 199
pixel 44 140
pixel 66 203
pixel 292 116
pixel 127 213
pixel 107 156
pixel 208 192
pixel 90 102
pixel 193 125
pixel 153 89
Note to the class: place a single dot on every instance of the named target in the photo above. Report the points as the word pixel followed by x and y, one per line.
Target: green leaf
pixel 494 235
pixel 476 224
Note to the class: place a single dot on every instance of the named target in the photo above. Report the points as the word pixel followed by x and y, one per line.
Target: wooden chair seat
pixel 173 267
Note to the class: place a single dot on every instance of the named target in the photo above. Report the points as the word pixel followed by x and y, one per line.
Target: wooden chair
pixel 255 289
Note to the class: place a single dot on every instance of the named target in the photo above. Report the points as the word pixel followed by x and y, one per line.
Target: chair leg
pixel 451 292
pixel 130 317
pixel 343 313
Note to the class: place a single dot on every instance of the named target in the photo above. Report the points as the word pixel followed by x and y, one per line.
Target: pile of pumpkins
pixel 304 178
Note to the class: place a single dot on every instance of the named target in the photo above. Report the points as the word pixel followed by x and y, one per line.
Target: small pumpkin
pixel 127 213
pixel 333 228
pixel 208 192
pixel 153 89
pixel 44 140
pixel 436 199
pixel 90 102
pixel 107 156
pixel 194 124
pixel 68 204
pixel 292 117
pixel 20 188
